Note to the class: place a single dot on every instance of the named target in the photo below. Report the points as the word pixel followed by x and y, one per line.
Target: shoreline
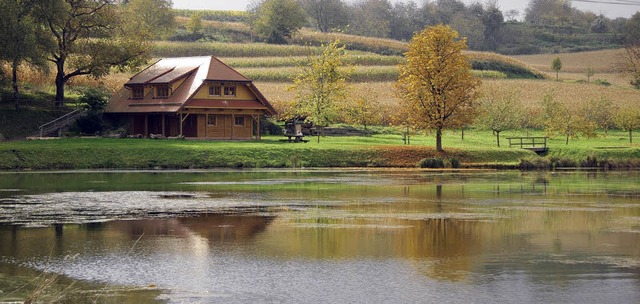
pixel 156 155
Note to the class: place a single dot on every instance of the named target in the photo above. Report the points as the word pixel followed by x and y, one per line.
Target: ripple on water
pixel 88 207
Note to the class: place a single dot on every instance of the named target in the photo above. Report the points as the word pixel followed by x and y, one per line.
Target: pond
pixel 320 236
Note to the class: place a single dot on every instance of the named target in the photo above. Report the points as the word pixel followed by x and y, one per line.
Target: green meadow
pixel 477 150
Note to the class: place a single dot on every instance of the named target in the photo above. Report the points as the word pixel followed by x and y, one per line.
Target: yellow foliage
pixel 436 84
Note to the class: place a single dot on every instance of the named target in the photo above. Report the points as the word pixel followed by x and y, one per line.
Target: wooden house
pixel 194 97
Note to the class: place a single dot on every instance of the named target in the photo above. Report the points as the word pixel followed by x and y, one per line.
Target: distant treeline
pixel 545 26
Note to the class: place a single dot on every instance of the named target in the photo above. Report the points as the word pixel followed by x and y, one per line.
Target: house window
pixel 211 120
pixel 162 91
pixel 239 121
pixel 229 90
pixel 215 90
pixel 137 92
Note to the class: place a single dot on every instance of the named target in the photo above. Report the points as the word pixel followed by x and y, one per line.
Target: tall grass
pixel 603 61
pixel 368 44
pixel 220 49
pixel 274 62
pixel 214 15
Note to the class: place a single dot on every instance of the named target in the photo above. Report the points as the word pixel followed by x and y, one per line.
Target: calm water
pixel 320 237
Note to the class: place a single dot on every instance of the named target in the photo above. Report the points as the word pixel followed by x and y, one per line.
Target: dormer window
pixel 229 90
pixel 162 91
pixel 215 90
pixel 137 92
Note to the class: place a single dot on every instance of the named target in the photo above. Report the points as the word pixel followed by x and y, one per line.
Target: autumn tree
pixel 499 112
pixel 628 119
pixel 560 119
pixel 194 25
pixel 556 66
pixel 276 20
pixel 363 111
pixel 91 37
pixel 631 62
pixel 599 111
pixel 436 87
pixel 321 85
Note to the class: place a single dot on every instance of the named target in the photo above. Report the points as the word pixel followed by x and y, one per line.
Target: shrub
pixel 94 99
pixel 431 163
pixel 455 163
pixel 590 162
pixel 602 82
pixel 91 124
pixel 534 163
pixel 562 162
pixel 270 127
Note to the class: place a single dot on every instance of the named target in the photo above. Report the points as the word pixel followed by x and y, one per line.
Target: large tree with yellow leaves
pixel 435 84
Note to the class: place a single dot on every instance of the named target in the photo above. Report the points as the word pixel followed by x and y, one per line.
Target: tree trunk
pixel 567 140
pixel 439 140
pixel 462 134
pixel 498 138
pixel 60 81
pixel 630 136
pixel 16 93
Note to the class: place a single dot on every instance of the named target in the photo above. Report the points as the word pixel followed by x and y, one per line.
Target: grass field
pixel 478 149
pixel 604 61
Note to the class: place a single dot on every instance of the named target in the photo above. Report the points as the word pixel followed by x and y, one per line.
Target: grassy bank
pixel 476 150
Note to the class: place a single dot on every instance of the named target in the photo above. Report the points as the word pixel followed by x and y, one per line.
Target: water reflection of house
pixel 196 97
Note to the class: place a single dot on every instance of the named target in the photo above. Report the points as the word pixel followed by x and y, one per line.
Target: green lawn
pixel 478 149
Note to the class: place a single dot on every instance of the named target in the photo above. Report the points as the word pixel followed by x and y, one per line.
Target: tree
pixel 321 85
pixel 589 72
pixel 91 37
pixel 364 111
pixel 436 87
pixel 600 112
pixel 371 18
pixel 493 20
pixel 22 39
pixel 195 23
pixel 327 15
pixel 499 112
pixel 276 20
pixel 632 29
pixel 628 119
pixel 556 66
pixel 154 18
pixel 630 64
pixel 548 12
pixel 559 119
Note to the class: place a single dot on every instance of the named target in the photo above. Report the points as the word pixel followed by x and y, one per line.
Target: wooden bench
pixel 535 144
pixel 294 138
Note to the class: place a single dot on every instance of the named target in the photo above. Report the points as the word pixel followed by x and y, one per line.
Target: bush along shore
pixel 383 151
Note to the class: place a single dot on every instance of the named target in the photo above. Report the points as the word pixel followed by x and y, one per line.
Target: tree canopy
pixel 92 36
pixel 277 20
pixel 435 84
pixel 321 85
pixel 23 40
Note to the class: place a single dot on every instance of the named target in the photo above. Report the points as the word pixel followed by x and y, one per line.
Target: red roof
pixel 196 71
